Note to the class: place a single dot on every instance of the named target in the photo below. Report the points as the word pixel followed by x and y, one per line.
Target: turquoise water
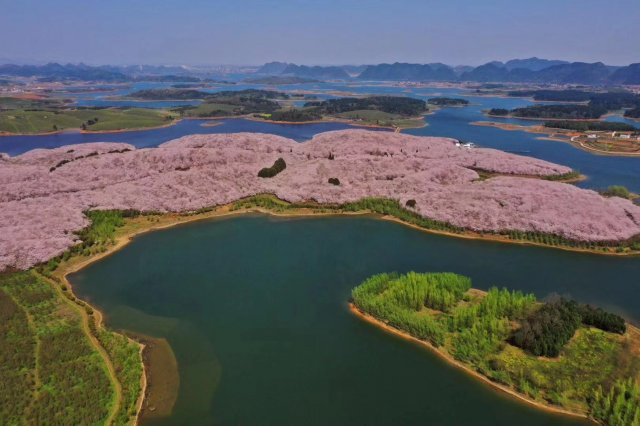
pixel 255 309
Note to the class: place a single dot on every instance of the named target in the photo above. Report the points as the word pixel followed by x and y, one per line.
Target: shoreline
pixel 224 212
pixel 578 120
pixel 452 361
pixel 548 135
pixel 62 277
pixel 227 117
pixel 135 129
pixel 345 121
pixel 89 132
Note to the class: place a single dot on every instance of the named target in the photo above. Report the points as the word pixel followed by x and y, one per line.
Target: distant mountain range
pixel 273 68
pixel 531 70
pixel 576 72
pixel 303 71
pixel 533 64
pixel 57 71
pixel 416 72
pixel 626 75
pixel 112 73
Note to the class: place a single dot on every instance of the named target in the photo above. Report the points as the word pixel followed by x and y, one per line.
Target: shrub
pixel 410 203
pixel 334 181
pixel 447 101
pixel 269 172
pixel 603 320
pixel 616 191
pixel 547 330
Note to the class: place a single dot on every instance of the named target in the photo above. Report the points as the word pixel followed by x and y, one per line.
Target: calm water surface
pixel 15 145
pixel 451 122
pixel 255 309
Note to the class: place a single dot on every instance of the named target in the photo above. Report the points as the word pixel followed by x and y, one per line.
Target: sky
pixel 251 32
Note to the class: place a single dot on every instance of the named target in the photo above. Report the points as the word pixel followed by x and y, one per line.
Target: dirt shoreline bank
pixel 450 360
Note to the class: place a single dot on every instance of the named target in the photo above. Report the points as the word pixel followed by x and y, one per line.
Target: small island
pixel 397 112
pixel 394 112
pixel 578 104
pixel 561 355
pixel 447 102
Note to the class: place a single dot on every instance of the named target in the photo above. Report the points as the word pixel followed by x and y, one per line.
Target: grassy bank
pixel 22 121
pixel 481 332
pixel 382 119
pixel 121 356
pixel 392 208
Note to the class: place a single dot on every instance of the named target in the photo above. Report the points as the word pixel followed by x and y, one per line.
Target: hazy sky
pixel 318 32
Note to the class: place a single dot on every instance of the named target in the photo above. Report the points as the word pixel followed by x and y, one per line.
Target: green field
pixel 381 118
pixel 212 110
pixel 479 330
pixel 18 103
pixel 28 122
pixel 56 366
pixel 51 373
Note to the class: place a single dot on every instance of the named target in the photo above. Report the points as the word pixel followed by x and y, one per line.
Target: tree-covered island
pixel 561 354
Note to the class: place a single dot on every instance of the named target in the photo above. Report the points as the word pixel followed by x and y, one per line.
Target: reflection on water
pixel 255 309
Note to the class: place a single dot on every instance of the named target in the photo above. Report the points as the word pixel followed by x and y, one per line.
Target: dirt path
pixel 111 372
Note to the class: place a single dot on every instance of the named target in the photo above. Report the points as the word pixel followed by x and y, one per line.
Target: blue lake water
pixel 602 171
pixel 15 145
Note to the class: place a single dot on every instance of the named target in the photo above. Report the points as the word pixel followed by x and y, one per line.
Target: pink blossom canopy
pixel 40 210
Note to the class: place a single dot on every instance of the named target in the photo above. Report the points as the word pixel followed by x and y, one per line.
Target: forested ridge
pixel 594 126
pixel 565 112
pixel 593 104
pixel 390 104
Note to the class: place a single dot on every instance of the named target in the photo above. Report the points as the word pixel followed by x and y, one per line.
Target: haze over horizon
pixel 252 32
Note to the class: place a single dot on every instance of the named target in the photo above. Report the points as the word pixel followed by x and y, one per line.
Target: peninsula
pixel 596 137
pixel 434 183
